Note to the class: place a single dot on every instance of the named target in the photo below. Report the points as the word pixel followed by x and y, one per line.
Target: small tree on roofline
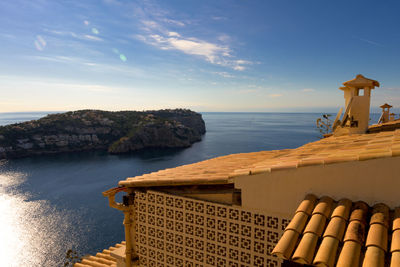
pixel 71 258
pixel 324 124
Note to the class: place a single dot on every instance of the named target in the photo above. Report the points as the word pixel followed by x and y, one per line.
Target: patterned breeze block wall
pixel 180 231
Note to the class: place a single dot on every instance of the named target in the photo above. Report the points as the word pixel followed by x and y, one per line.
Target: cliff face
pixel 117 132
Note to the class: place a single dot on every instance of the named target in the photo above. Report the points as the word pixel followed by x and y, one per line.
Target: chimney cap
pixel 386 105
pixel 360 82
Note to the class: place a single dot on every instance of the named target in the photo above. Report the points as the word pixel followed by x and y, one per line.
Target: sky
pixel 246 56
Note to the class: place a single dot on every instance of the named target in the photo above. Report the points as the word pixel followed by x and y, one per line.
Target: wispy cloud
pixel 59 59
pixel 192 46
pixel 7 36
pixel 224 74
pixel 224 38
pixel 57 84
pixel 370 42
pixel 152 25
pixel 76 35
pixel 159 30
pixel 307 90
pixel 174 34
pixel 61 33
pixel 93 38
pixel 112 2
pixel 240 64
pixel 275 95
pixel 219 18
pixel 174 22
pixel 88 64
pixel 86 87
pixel 212 52
pixel 247 91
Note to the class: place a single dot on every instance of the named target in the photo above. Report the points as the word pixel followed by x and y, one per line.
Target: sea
pixel 50 205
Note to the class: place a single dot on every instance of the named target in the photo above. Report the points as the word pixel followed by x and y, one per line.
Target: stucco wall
pixel 360 112
pixel 372 181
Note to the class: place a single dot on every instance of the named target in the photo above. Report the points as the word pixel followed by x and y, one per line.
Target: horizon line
pixel 65 111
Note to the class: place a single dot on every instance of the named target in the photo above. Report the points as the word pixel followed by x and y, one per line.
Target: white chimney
pixel 357 95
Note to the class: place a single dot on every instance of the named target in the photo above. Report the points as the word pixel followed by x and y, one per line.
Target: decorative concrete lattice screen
pixel 180 231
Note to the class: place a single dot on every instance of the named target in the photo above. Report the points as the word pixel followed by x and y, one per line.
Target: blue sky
pixel 271 55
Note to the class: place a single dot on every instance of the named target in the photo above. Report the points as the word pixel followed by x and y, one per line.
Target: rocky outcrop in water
pixel 117 132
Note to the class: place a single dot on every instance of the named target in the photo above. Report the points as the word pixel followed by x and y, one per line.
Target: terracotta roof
pixel 212 171
pixel 101 259
pixel 360 82
pixel 386 126
pixel 328 233
pixel 221 170
pixel 332 150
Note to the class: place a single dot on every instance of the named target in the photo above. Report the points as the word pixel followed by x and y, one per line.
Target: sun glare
pixel 28 228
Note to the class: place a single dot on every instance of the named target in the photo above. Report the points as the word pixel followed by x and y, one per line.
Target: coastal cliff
pixel 116 132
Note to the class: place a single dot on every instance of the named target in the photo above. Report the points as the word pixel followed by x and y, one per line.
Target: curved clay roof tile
pixel 324 206
pixel 396 219
pixel 308 204
pixel 359 213
pixel 380 214
pixel 342 209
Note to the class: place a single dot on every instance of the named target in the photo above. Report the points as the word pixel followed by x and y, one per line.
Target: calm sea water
pixel 49 204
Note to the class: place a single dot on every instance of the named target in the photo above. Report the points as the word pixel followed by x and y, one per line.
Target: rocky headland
pixel 116 132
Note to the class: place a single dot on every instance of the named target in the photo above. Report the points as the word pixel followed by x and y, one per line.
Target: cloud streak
pixel 224 74
pixel 156 26
pixel 93 38
pixel 211 52
pixel 191 46
pixel 275 95
pixel 64 85
pixel 247 91
pixel 370 42
pixel 92 66
pixel 75 35
pixel 174 22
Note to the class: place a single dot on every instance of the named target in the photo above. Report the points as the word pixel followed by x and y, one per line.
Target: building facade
pixel 319 204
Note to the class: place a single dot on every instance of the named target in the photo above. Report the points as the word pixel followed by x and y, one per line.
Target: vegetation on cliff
pixel 117 132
